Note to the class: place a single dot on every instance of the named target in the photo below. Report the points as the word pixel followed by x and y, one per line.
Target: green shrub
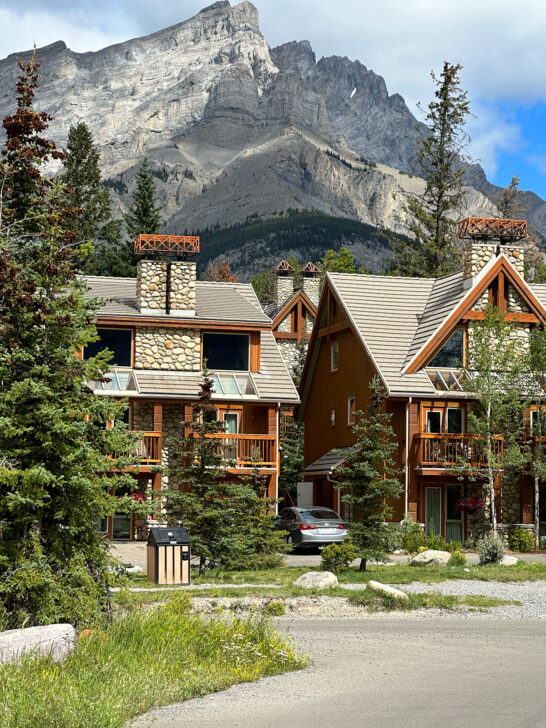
pixel 457 558
pixel 274 609
pixel 413 536
pixel 454 546
pixel 521 540
pixel 543 542
pixel 338 557
pixel 393 537
pixel 491 548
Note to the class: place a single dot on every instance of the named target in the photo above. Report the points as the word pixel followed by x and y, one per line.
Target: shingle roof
pixel 329 461
pixel 386 311
pixel 273 380
pixel 213 301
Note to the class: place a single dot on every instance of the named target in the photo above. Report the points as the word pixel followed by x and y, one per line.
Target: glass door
pixel 433 510
pixel 231 427
pixel 454 518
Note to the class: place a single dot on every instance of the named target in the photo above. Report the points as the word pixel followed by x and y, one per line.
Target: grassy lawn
pixel 371 600
pixel 142 660
pixel 398 574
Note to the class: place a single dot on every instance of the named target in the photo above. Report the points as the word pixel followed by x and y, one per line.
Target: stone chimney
pixel 311 282
pixel 486 238
pixel 284 284
pixel 166 286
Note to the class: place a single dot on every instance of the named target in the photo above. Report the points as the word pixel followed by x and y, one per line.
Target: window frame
pixel 457 409
pixel 226 333
pixel 113 364
pixel 334 347
pixel 351 410
pixel 464 362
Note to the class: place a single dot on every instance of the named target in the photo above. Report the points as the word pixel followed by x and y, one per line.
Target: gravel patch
pixel 531 594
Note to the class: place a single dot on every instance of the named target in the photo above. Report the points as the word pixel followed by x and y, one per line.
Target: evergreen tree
pixel 536 369
pixel 144 215
pixel 340 261
pixel 291 465
pixel 264 286
pixel 431 216
pixel 56 468
pixel 216 509
pixel 86 192
pixel 368 477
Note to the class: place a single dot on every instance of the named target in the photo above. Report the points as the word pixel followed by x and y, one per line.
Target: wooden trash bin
pixel 168 555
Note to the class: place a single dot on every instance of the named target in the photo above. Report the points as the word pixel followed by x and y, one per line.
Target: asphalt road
pixel 385 672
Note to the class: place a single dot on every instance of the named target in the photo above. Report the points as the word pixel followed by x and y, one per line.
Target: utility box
pixel 305 494
pixel 168 555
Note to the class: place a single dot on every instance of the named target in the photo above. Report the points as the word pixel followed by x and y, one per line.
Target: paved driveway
pixel 135 553
pixel 385 672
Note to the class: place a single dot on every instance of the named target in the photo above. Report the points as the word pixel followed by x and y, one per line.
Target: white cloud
pixel 492 134
pixel 538 161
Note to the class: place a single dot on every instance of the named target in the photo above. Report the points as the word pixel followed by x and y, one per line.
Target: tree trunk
pixel 202 563
pixel 362 566
pixel 537 513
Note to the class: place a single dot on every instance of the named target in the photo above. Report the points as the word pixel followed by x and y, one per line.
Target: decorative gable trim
pixel 497 267
pixel 298 297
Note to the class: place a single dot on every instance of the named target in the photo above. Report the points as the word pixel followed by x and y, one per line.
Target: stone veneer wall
pixel 311 288
pixel 151 285
pixel 167 348
pixel 182 286
pixel 286 324
pixel 289 352
pixel 477 255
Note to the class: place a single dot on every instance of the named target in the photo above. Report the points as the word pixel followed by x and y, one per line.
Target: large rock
pixel 57 640
pixel 317 580
pixel 431 558
pixel 386 589
pixel 508 561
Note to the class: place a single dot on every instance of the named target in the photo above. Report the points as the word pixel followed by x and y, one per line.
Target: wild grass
pixel 376 602
pixel 140 661
pixel 398 574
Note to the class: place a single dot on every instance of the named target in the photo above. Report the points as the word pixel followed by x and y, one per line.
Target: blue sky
pixel 500 44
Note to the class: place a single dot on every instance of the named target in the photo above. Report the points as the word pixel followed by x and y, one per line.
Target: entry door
pixel 433 510
pixel 231 427
pixel 454 518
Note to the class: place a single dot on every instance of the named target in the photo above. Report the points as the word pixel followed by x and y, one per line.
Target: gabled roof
pixel 214 301
pixel 328 462
pixel 397 318
pixel 443 312
pixel 278 313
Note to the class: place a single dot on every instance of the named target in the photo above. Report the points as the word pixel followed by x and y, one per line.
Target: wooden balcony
pixel 248 451
pixel 149 448
pixel 446 450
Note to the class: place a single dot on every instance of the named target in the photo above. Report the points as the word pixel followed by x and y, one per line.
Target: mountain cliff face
pixel 234 129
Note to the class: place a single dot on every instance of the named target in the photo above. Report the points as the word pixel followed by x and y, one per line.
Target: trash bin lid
pixel 163 536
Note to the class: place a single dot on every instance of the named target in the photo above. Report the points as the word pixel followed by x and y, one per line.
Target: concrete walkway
pixel 388 671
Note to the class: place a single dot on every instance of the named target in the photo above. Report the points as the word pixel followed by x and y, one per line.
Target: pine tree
pixel 368 477
pixel 87 194
pixel 144 215
pixel 56 468
pixel 340 261
pixel 431 216
pixel 536 369
pixel 264 286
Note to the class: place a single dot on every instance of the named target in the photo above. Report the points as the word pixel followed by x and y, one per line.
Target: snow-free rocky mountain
pixel 235 129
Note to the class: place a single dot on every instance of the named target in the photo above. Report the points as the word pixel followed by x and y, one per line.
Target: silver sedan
pixel 311 527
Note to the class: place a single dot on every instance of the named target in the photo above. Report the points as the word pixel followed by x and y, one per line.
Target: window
pixel 535 423
pixel 451 355
pixel 454 420
pixel 434 421
pixel 118 341
pixel 228 352
pixel 334 358
pixel 351 406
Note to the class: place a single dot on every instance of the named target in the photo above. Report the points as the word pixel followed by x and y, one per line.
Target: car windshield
pixel 320 514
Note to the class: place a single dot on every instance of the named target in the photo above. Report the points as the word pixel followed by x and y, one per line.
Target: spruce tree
pixel 432 215
pixel 144 215
pixel 56 466
pixel 87 194
pixel 536 370
pixel 368 477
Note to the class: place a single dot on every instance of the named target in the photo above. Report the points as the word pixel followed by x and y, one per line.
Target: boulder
pixel 508 561
pixel 57 640
pixel 431 558
pixel 317 580
pixel 386 589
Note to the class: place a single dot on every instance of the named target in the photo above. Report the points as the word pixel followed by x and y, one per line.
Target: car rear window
pixel 319 513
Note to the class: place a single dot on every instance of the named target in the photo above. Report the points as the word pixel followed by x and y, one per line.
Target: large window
pixel 229 352
pixel 451 355
pixel 118 341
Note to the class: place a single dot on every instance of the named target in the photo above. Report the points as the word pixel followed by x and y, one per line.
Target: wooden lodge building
pixel 161 327
pixel 412 333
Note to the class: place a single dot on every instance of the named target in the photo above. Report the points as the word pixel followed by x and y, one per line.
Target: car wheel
pixel 290 542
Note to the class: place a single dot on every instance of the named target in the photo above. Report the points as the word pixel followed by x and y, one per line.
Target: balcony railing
pixel 247 450
pixel 443 450
pixel 147 448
